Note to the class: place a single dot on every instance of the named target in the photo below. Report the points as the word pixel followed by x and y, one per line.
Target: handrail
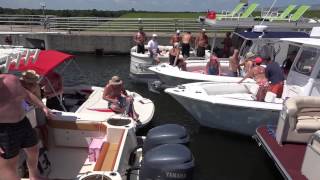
pixel 53 23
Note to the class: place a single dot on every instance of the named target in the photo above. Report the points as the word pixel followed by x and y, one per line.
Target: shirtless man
pixel 201 43
pixel 258 74
pixel 185 46
pixel 15 129
pixel 176 38
pixel 119 101
pixel 139 39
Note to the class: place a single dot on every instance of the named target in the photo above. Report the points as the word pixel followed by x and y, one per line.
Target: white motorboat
pixel 139 63
pixel 261 43
pixel 88 146
pixel 232 106
pixel 83 98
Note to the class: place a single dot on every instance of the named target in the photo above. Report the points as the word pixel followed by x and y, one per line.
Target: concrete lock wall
pixel 83 43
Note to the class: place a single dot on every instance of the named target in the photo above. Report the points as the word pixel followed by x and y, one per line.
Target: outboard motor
pixel 165 134
pixel 167 162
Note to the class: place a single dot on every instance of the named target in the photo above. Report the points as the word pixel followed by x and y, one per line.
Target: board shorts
pixel 16 136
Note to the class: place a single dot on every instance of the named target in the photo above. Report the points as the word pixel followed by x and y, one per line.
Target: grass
pixel 308 14
pixel 162 15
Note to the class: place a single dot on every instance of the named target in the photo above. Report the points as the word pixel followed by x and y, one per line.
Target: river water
pixel 218 155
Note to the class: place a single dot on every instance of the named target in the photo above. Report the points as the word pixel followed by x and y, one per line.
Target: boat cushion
pixel 308 123
pixel 309 111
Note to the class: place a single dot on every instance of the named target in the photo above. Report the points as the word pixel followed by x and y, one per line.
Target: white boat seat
pixel 299 119
pixel 311 160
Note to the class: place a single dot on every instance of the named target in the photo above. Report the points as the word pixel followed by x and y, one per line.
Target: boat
pixel 139 63
pixel 78 99
pixel 89 146
pixel 259 41
pixel 294 144
pixel 232 106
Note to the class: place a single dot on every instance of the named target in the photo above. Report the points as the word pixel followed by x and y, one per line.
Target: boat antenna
pixel 272 5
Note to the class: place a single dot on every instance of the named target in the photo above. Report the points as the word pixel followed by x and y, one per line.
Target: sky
pixel 148 5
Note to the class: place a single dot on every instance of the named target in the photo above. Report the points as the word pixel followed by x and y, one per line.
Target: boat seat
pixel 299 119
pixel 311 160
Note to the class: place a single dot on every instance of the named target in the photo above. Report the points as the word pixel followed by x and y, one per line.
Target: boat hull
pixel 226 117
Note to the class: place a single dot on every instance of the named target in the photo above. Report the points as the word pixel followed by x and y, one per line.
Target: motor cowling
pixel 165 134
pixel 167 162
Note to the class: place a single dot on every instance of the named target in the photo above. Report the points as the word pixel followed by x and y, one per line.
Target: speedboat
pixel 232 106
pixel 261 42
pixel 78 99
pixel 294 144
pixel 89 146
pixel 139 63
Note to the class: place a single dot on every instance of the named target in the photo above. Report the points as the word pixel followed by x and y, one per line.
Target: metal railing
pixel 102 24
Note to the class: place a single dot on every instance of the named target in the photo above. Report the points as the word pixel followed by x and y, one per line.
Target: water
pixel 218 155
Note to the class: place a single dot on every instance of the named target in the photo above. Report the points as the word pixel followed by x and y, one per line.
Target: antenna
pixel 273 3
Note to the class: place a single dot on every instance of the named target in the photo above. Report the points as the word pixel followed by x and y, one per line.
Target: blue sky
pixel 149 5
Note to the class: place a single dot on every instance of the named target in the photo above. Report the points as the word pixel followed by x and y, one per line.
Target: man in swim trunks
pixel 119 100
pixel 275 75
pixel 16 132
pixel 185 46
pixel 202 43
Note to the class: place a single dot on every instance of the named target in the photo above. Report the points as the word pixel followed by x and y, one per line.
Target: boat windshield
pixel 307 60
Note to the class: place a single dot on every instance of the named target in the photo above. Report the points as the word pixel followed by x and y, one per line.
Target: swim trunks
pixel 185 50
pixel 16 136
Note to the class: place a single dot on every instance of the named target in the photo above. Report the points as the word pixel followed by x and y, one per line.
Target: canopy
pixel 47 61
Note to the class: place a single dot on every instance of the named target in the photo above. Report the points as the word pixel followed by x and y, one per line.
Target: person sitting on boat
pixel 140 39
pixel 174 54
pixel 176 38
pixel 154 49
pixel 227 44
pixel 16 131
pixel 29 81
pixel 213 66
pixel 52 86
pixel 201 43
pixel 275 76
pixel 247 63
pixel 118 98
pixel 185 46
pixel 234 64
pixel 258 74
pixel 181 64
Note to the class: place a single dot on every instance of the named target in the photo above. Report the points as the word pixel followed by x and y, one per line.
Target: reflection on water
pixel 218 155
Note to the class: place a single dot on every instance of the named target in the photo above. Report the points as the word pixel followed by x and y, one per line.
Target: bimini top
pixel 315 42
pixel 272 34
pixel 46 61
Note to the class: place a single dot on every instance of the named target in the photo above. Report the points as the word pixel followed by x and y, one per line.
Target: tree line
pixel 64 13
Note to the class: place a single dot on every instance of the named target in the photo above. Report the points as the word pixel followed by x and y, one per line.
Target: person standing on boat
pixel 16 132
pixel 227 44
pixel 247 63
pixel 29 80
pixel 52 86
pixel 275 76
pixel 174 54
pixel 185 46
pixel 154 49
pixel 176 38
pixel 257 73
pixel 118 98
pixel 213 66
pixel 140 39
pixel 234 64
pixel 201 43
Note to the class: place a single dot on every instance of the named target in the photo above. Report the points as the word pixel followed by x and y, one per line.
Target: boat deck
pixel 288 157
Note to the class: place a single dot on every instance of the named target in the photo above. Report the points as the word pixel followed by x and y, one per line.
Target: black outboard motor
pixel 165 134
pixel 167 162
